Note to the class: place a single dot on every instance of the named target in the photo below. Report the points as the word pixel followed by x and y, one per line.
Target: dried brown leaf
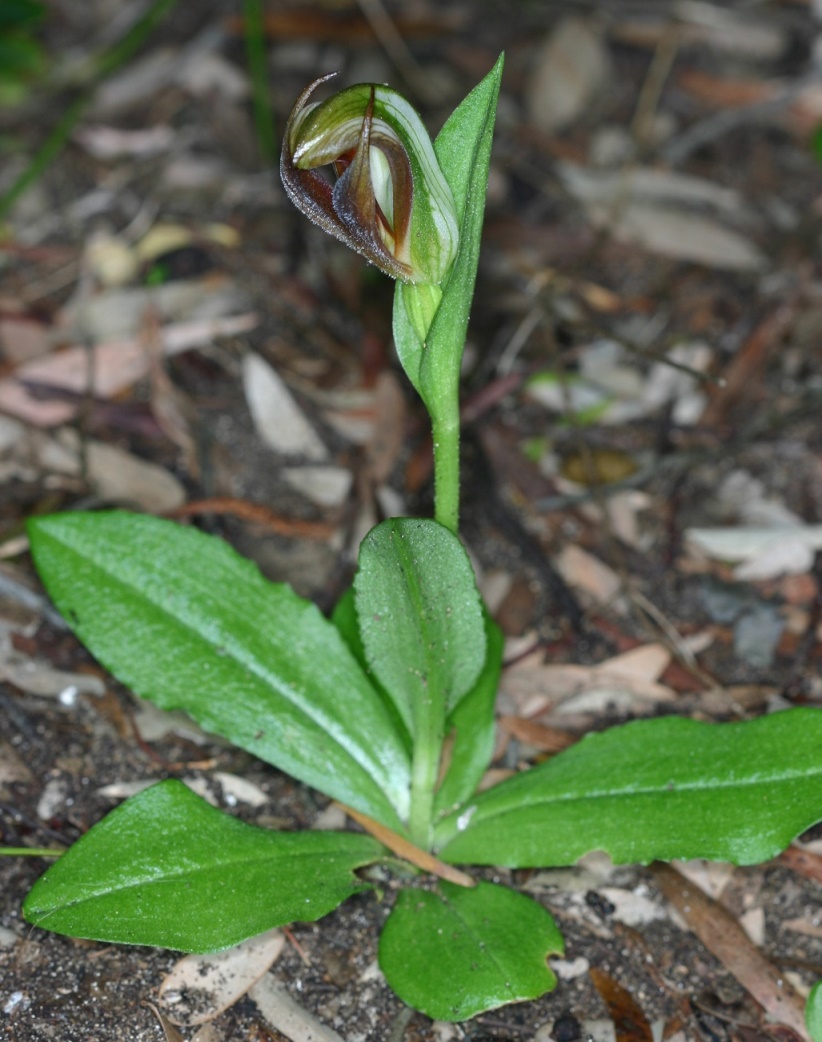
pixel 388 434
pixel 218 980
pixel 104 370
pixel 630 1023
pixel 727 941
pixel 804 862
pixel 551 739
pixel 281 1012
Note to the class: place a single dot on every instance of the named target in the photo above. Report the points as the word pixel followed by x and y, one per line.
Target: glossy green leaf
pixel 463 148
pixel 167 869
pixel 472 728
pixel 653 789
pixel 813 1012
pixel 185 621
pixel 420 616
pixel 459 952
pixel 345 619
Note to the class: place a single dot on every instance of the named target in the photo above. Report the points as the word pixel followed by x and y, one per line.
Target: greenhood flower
pixel 390 201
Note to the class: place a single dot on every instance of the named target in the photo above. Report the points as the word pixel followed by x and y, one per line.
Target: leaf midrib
pixel 183 875
pixel 433 676
pixel 695 785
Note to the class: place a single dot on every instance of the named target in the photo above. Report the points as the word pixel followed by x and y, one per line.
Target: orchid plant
pixel 388 706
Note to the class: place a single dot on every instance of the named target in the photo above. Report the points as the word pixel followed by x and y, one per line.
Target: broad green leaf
pixel 167 869
pixel 345 619
pixel 420 616
pixel 185 621
pixel 471 724
pixel 653 789
pixel 813 1012
pixel 463 148
pixel 16 13
pixel 19 56
pixel 459 952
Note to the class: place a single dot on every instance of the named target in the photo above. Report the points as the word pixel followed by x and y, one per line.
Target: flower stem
pixel 423 782
pixel 446 435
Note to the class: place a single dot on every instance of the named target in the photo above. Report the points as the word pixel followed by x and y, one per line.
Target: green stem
pixel 428 739
pixel 446 435
pixel 254 19
pixel 424 768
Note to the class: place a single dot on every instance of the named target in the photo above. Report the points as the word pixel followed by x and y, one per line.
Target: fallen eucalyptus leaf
pixel 746 543
pixel 278 419
pixel 762 552
pixel 199 987
pixel 725 938
pixel 572 69
pixel 281 1012
pixel 106 369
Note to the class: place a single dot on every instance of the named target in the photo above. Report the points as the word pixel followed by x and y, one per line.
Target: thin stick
pixel 651 91
pixel 259 514
pixel 30 852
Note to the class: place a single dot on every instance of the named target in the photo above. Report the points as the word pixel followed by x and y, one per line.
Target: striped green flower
pixel 390 200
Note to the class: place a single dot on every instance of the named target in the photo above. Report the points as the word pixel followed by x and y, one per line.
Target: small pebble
pixel 566 1028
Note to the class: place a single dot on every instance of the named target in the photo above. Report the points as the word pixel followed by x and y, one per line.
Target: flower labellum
pixel 390 201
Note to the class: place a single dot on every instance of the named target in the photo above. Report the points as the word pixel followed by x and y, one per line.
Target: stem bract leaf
pixel 420 617
pixel 470 728
pixel 463 148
